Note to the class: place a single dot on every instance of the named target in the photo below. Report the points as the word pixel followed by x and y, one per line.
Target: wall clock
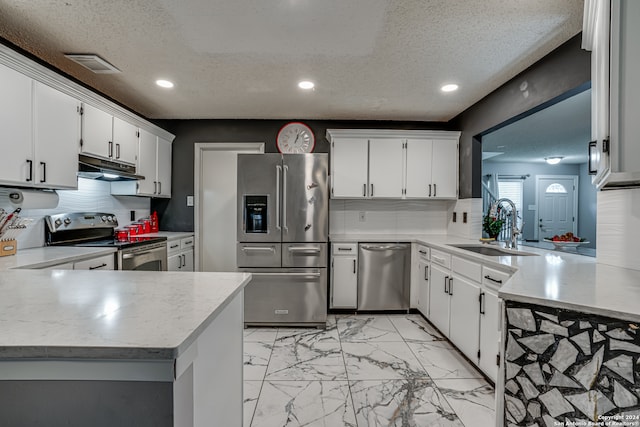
pixel 295 138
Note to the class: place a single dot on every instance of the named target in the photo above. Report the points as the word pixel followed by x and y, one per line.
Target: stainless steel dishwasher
pixel 384 276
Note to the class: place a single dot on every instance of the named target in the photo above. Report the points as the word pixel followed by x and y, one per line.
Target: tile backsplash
pixel 91 196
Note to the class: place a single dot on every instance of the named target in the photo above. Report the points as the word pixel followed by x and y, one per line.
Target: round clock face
pixel 295 137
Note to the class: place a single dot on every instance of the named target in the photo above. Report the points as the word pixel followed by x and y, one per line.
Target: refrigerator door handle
pixel 278 173
pixel 284 198
pixel 258 249
pixel 309 275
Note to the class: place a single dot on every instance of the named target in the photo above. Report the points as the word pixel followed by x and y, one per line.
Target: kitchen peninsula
pixel 106 348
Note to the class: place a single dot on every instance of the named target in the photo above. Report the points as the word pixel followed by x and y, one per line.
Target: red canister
pixel 146 225
pixel 122 234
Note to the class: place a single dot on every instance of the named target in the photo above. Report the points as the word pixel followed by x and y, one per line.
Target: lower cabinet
pixel 489 333
pixel 464 323
pixel 439 298
pixel 344 275
pixel 180 254
pixel 106 262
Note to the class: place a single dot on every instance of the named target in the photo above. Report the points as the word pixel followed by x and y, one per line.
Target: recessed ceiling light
pixel 164 83
pixel 553 160
pixel 306 84
pixel 449 87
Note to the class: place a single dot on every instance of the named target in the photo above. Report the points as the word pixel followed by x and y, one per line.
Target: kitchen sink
pixel 492 251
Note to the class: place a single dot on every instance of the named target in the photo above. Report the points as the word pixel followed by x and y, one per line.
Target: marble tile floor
pixel 364 371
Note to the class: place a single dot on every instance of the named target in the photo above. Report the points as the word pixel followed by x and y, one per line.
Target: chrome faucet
pixel 513 242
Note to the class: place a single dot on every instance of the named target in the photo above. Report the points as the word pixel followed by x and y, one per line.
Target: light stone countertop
pixel 553 278
pixel 108 314
pixel 48 256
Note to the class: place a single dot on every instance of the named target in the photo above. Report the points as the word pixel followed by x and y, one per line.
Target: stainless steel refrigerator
pixel 282 237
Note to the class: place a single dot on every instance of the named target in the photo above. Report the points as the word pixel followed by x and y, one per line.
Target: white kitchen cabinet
pixel 16 125
pixel 386 177
pixel 349 167
pixel 393 163
pixel 344 275
pixel 489 333
pixel 108 137
pixel 154 163
pixel 41 133
pixel 104 262
pixel 422 278
pixel 611 32
pixel 180 254
pixel 439 298
pixel 56 137
pixel 464 325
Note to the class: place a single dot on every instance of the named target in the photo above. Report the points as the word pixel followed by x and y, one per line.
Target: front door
pixel 556 206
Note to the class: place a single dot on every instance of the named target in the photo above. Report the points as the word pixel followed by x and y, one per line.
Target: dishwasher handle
pixel 383 247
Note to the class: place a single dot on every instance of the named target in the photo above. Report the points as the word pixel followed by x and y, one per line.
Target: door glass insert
pixel 556 188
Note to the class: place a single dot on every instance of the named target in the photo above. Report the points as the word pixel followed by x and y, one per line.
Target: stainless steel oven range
pixel 96 229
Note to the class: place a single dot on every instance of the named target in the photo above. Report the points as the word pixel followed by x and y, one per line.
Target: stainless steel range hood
pixel 96 168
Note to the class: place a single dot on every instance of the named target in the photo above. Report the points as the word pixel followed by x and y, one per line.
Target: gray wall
pixel 586 193
pixel 174 215
pixel 562 73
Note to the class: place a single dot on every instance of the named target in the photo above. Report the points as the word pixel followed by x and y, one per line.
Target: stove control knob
pixel 114 219
pixel 67 221
pixel 58 222
pixel 104 218
pixel 111 218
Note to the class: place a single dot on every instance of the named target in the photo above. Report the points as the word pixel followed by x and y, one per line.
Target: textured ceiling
pixel 563 129
pixel 370 59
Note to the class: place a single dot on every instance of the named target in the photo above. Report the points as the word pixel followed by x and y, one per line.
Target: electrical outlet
pixel 189 200
pixel 455 216
pixel 133 216
pixel 362 216
pixel 464 217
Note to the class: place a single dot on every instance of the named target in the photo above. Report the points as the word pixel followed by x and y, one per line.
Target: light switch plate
pixel 189 200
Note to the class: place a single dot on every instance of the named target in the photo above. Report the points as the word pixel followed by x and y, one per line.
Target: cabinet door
pixel 444 169
pixel 418 168
pixel 97 132
pixel 439 298
pixel 146 165
pixel 125 140
pixel 423 288
pixel 174 262
pixel 344 282
pixel 16 163
pixel 489 334
pixel 349 167
pixel 164 168
pixel 385 168
pixel 56 137
pixel 464 328
pixel 187 260
pixel 106 262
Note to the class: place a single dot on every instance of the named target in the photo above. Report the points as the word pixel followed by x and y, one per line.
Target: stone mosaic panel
pixel 568 368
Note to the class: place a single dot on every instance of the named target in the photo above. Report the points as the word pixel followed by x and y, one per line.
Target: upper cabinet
pixel 610 32
pixel 41 131
pixel 154 163
pixel 107 136
pixel 393 164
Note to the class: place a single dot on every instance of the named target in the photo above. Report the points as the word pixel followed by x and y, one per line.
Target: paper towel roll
pixel 33 199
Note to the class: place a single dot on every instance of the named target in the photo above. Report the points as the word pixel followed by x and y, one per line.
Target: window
pixel 556 188
pixel 512 189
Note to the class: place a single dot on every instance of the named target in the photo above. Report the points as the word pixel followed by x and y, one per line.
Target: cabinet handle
pixel 371 190
pixel 429 190
pixel 481 299
pixel 364 190
pixel 159 187
pixel 492 279
pixel 44 172
pixel 117 151
pixel 354 266
pixel 434 190
pixel 345 249
pixel 184 260
pixel 110 148
pixel 451 286
pixel 155 187
pixel 446 280
pixel 98 266
pixel 30 170
pixel 423 252
pixel 426 271
pixel 188 242
pixel 173 246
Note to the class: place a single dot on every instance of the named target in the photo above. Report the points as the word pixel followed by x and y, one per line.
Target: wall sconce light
pixel 553 160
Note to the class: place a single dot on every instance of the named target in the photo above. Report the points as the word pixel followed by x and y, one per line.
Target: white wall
pixel 91 196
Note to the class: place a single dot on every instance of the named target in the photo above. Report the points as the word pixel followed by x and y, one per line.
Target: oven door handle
pixel 129 256
pixel 313 275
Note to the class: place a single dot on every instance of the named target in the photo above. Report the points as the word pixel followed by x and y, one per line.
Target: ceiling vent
pixel 94 63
